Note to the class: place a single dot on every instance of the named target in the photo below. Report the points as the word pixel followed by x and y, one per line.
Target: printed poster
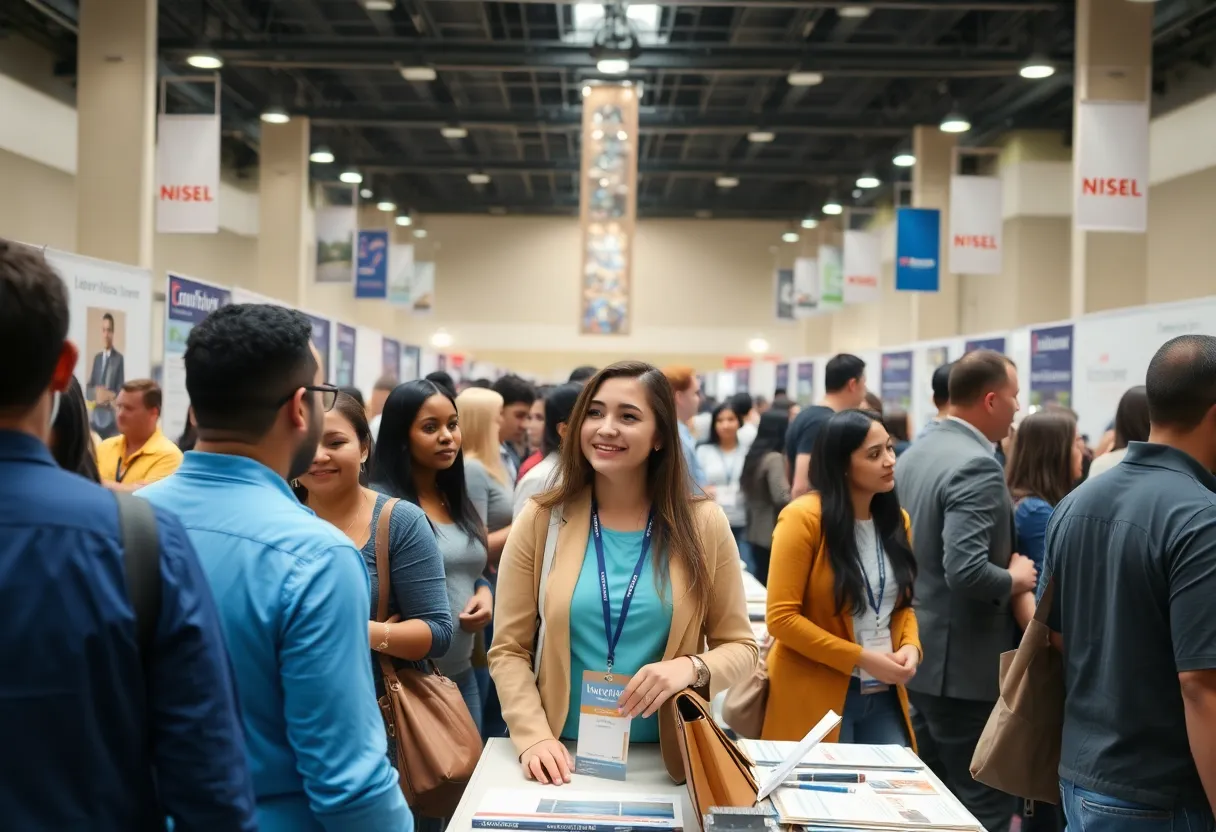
pixel 336 226
pixel 390 361
pixel 831 277
pixel 995 344
pixel 1051 366
pixel 371 265
pixel 783 378
pixel 321 330
pixel 411 362
pixel 401 274
pixel 806 382
pixel 806 287
pixel 344 375
pixel 785 295
pixel 896 383
pixel 187 303
pixel 422 293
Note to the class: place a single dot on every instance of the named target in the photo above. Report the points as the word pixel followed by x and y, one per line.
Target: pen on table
pixel 821 787
pixel 828 777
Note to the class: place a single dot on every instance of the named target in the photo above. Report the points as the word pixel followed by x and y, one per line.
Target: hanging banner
pixel 917 249
pixel 896 383
pixel 321 329
pixel 422 291
pixel 831 281
pixel 400 274
pixel 1051 366
pixel 862 267
pixel 411 361
pixel 344 372
pixel 806 382
pixel 371 265
pixel 976 221
pixel 806 287
pixel 784 280
pixel 390 360
pixel 187 303
pixel 782 378
pixel 994 344
pixel 336 226
pixel 1110 174
pixel 188 174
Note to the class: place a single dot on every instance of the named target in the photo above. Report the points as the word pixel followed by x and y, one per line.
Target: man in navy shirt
pixel 87 739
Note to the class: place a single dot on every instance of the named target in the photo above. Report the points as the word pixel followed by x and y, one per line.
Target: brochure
pixel 768 754
pixel 894 801
pixel 794 753
pixel 553 810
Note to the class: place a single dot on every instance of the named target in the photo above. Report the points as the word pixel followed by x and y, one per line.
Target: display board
pixel 187 303
pixel 369 359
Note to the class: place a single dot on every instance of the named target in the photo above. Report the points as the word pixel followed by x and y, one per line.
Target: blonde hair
pixel 479 410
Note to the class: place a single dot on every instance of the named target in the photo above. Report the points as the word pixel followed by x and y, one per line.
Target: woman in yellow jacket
pixel 840 594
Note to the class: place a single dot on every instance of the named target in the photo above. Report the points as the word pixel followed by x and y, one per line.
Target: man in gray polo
pixel 1133 558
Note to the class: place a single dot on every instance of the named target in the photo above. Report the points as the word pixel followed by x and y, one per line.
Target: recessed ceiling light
pixel 420 233
pixel 478 178
pixel 1037 68
pixel 868 180
pixel 205 59
pixel 904 159
pixel 761 136
pixel 810 222
pixel 789 237
pixel 453 132
pixel 351 177
pixel 365 193
pixel 418 73
pixel 404 220
pixel 612 66
pixel 855 12
pixel 804 79
pixel 727 181
pixel 955 122
pixel 379 5
pixel 275 115
pixel 386 206
pixel 832 207
pixel 322 156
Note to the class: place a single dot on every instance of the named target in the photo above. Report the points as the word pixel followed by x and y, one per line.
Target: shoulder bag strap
pixel 382 558
pixel 1044 608
pixel 555 522
pixel 141 563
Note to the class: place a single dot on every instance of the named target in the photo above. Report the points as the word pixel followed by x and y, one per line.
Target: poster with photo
pixel 1051 354
pixel 805 393
pixel 390 361
pixel 187 303
pixel 896 383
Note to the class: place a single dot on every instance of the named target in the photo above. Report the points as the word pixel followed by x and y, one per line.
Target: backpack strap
pixel 141 562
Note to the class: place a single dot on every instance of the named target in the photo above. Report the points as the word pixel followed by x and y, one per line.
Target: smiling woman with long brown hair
pixel 621 475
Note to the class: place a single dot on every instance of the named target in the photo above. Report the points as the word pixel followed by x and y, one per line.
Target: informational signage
pixel 411 361
pixel 390 363
pixel 917 249
pixel 784 282
pixel 831 277
pixel 782 378
pixel 806 381
pixel 1051 365
pixel 187 304
pixel 994 344
pixel 862 267
pixel 371 265
pixel 806 287
pixel 188 174
pixel 976 220
pixel 344 372
pixel 743 379
pixel 321 333
pixel 422 294
pixel 401 274
pixel 336 226
pixel 896 383
pixel 1110 173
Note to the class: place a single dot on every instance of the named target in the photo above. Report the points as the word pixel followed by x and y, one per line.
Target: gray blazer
pixel 962 535
pixel 768 494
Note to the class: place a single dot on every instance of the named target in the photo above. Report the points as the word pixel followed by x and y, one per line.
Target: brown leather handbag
pixel 437 743
pixel 716 771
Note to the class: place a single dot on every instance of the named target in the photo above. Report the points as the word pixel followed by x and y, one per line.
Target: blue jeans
pixel 471 691
pixel 1088 811
pixel 745 548
pixel 872 718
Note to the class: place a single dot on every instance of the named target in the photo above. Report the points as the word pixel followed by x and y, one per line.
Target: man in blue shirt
pixel 291 589
pixel 83 728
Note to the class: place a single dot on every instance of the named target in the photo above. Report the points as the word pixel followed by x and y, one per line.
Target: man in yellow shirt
pixel 140 454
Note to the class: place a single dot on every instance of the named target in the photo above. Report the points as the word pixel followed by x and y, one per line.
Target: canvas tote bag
pixel 1019 750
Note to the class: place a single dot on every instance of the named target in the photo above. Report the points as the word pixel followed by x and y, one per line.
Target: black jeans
pixel 947 731
pixel 761 556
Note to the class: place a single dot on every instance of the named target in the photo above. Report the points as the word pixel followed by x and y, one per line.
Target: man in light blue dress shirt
pixel 292 590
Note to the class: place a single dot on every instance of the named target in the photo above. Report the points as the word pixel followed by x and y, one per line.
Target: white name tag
pixel 727 496
pixel 880 642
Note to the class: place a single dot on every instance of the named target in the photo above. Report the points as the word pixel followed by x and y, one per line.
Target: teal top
pixel 644 638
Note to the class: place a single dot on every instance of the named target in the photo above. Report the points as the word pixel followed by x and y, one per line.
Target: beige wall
pixel 1182 238
pixel 1034 284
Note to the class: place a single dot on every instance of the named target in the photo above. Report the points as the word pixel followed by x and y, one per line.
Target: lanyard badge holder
pixel 874 637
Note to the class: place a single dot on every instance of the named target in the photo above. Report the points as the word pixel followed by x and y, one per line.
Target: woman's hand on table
pixel 654 684
pixel 548 762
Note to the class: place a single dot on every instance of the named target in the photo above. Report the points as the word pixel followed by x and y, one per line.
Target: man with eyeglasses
pixel 291 589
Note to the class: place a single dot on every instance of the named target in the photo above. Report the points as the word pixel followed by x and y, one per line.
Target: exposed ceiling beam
pixel 659 167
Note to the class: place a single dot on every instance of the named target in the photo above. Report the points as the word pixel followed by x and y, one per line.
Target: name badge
pixel 727 496
pixel 603 733
pixel 880 642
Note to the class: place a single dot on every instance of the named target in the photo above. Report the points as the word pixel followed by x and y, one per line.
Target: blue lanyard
pixel 614 638
pixel 882 577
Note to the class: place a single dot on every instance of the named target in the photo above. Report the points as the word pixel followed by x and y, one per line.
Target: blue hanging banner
pixel 917 249
pixel 994 344
pixel 371 265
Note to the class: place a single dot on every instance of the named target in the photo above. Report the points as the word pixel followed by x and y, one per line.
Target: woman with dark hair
pixel 418 458
pixel 896 423
pixel 559 404
pixel 765 487
pixel 1044 465
pixel 620 508
pixel 1131 425
pixel 71 436
pixel 840 594
pixel 721 457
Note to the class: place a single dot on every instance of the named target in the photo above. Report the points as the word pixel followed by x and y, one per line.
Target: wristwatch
pixel 702 672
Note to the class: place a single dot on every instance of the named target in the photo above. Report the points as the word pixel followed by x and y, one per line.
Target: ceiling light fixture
pixel 810 222
pixel 379 5
pixel 788 237
pixel 758 345
pixel 727 181
pixel 903 159
pixel 586 90
pixel 453 132
pixel 404 220
pixel 868 180
pixel 365 193
pixel 804 79
pixel 478 178
pixel 612 66
pixel 441 339
pixel 419 73
pixel 1037 68
pixel 205 59
pixel 955 122
pixel 321 156
pixel 351 177
pixel 275 115
pixel 833 207
pixel 854 12
pixel 420 233
pixel 386 206
pixel 761 136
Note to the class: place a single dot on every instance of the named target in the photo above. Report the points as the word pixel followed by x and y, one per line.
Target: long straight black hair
pixel 770 439
pixel 393 463
pixel 831 461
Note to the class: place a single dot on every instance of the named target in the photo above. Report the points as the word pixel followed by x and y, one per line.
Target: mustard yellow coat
pixel 814 651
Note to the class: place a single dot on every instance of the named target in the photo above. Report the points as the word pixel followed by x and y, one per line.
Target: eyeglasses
pixel 329 395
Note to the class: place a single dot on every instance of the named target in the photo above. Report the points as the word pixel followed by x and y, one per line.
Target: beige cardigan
pixel 535 709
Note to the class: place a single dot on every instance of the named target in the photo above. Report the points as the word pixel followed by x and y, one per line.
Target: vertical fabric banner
pixel 784 281
pixel 862 267
pixel 400 274
pixel 390 361
pixel 896 383
pixel 608 208
pixel 411 361
pixel 371 265
pixel 976 221
pixel 1110 171
pixel 336 227
pixel 321 329
pixel 806 382
pixel 782 381
pixel 994 344
pixel 831 278
pixel 1051 366
pixel 422 291
pixel 344 375
pixel 806 287
pixel 917 249
pixel 187 303
pixel 188 174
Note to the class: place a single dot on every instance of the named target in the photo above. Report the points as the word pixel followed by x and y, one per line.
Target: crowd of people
pixel 308 548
